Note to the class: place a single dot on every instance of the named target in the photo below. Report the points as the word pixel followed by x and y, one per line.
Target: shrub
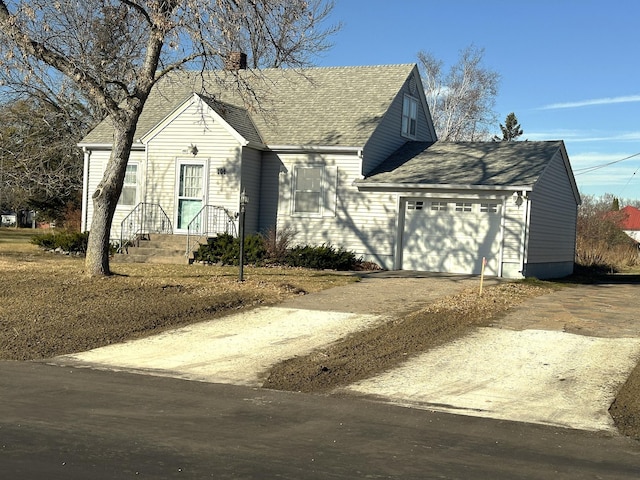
pixel 225 249
pixel 601 245
pixel 321 257
pixel 65 240
pixel 277 243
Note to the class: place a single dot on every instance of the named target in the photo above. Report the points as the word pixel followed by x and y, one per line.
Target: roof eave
pixel 315 149
pixel 137 146
pixel 436 186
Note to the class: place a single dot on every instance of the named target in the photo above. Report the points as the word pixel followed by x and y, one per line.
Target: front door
pixel 190 192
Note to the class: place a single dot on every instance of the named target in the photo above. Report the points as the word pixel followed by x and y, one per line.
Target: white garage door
pixel 451 236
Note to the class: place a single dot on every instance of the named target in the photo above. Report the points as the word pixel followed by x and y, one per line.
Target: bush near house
pixel 67 241
pixel 225 250
pixel 321 257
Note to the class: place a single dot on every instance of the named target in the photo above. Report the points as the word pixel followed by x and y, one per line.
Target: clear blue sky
pixel 570 69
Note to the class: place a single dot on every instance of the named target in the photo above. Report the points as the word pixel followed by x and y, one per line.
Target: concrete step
pixel 165 241
pixel 164 259
pixel 157 248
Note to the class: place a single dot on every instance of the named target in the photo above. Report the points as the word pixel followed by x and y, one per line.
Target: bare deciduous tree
pixel 461 100
pixel 600 241
pixel 114 52
pixel 41 167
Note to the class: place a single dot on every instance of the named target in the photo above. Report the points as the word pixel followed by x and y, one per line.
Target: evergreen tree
pixel 615 205
pixel 510 130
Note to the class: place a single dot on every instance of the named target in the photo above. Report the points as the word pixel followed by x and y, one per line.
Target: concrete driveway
pixel 557 359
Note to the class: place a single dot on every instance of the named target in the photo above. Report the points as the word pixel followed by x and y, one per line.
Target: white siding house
pixel 347 157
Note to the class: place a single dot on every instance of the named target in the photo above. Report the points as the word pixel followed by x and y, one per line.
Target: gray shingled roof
pixel 336 106
pixel 483 164
pixel 237 117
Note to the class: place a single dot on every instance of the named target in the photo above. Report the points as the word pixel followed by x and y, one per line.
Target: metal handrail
pixel 144 219
pixel 209 221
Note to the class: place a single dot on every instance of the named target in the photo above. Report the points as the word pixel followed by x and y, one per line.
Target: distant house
pixel 630 222
pixel 8 219
pixel 346 156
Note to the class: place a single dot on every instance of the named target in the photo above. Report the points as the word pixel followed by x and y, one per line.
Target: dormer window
pixel 409 117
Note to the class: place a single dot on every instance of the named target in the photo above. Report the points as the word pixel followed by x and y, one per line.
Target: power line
pixel 581 171
pixel 628 181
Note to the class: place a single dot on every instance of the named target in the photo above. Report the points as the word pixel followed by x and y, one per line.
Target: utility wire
pixel 628 181
pixel 581 171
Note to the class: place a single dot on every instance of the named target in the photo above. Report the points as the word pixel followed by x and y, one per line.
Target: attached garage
pixel 512 205
pixel 452 235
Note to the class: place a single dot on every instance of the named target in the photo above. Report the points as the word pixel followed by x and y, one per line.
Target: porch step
pixel 157 248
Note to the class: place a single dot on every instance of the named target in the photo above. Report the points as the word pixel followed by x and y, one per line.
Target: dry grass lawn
pixel 48 307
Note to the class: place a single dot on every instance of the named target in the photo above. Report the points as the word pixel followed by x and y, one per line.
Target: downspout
pixel 85 189
pixel 502 228
pixel 146 173
pixel 397 260
pixel 525 235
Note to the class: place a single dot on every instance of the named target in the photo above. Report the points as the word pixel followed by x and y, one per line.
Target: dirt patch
pixel 625 410
pixel 369 352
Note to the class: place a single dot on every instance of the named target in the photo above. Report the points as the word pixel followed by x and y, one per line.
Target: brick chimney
pixel 235 61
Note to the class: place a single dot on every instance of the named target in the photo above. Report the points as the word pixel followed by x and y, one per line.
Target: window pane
pixel 406 107
pixel 409 116
pixel 130 175
pixel 187 210
pixel 191 181
pixel 308 190
pixel 128 196
pixel 130 185
pixel 307 202
pixel 309 179
pixel 405 125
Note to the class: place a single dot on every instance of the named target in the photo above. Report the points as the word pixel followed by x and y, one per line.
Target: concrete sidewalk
pixel 558 359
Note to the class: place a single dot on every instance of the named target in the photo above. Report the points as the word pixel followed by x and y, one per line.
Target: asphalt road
pixel 69 423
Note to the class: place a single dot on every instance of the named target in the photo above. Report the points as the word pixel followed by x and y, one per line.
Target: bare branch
pixel 461 101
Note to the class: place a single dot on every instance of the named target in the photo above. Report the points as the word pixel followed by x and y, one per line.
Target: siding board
pixel 387 137
pixel 215 144
pixel 364 223
pixel 553 217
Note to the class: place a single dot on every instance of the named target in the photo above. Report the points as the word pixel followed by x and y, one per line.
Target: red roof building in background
pixel 631 219
pixel 630 222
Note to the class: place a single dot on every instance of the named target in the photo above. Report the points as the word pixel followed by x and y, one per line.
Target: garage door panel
pixel 438 238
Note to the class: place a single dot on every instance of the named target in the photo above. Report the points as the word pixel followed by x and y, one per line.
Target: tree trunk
pixel 105 199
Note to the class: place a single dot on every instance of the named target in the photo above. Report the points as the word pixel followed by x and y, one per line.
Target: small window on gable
pixel 409 117
pixel 489 207
pixel 130 186
pixel 415 205
pixel 439 206
pixel 463 207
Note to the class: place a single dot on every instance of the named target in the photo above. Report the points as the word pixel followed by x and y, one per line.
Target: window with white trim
pixel 489 207
pixel 464 207
pixel 415 205
pixel 314 190
pixel 129 193
pixel 409 116
pixel 439 206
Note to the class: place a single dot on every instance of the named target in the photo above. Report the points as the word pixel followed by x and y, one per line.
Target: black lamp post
pixel 244 199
